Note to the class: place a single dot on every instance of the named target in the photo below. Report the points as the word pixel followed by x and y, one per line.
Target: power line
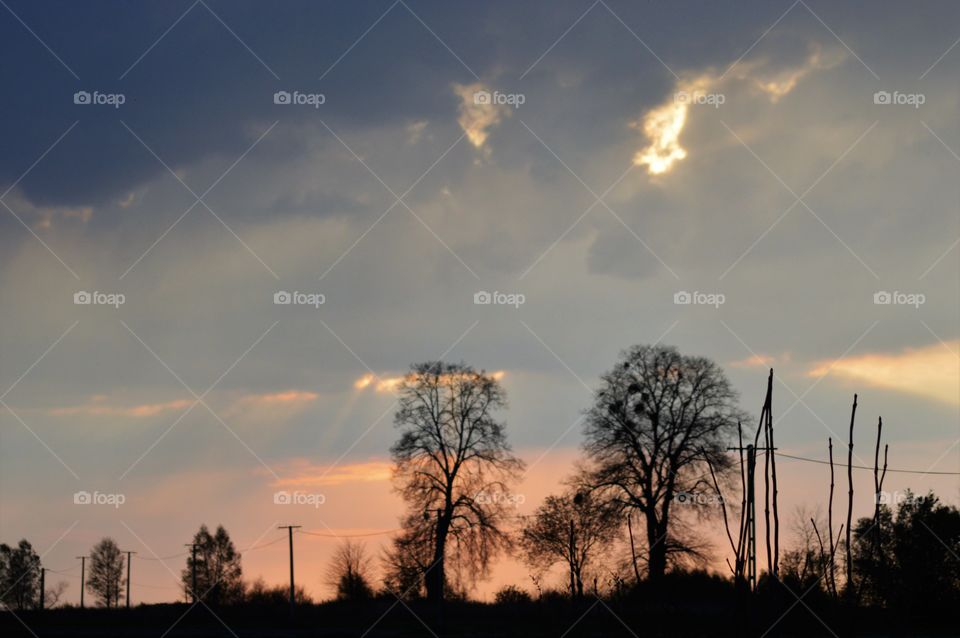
pixel 388 531
pixel 164 557
pixel 864 467
pixel 273 542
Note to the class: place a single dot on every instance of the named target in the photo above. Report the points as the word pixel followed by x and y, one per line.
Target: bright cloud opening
pixel 476 115
pixel 390 384
pixel 932 371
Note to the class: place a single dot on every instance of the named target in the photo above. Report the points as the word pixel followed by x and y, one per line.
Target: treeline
pixel 630 517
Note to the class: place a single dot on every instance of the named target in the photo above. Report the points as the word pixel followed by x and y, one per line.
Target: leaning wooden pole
pixel 765 426
pixel 849 545
pixel 743 502
pixel 832 574
pixel 773 476
pixel 878 478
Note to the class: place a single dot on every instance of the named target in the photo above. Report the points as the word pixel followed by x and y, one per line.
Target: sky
pixel 227 228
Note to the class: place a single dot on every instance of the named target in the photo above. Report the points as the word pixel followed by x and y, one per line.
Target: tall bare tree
pixel 573 529
pixel 454 467
pixel 105 576
pixel 659 423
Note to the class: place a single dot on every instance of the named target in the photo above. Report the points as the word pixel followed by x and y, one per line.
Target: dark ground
pixel 384 617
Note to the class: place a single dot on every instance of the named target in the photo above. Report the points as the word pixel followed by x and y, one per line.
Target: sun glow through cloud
pixel 931 371
pixel 302 473
pixel 390 384
pixel 476 116
pixel 662 126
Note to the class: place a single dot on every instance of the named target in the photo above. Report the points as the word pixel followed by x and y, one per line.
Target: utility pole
pixel 193 570
pixel 43 574
pixel 750 520
pixel 128 578
pixel 83 574
pixel 290 529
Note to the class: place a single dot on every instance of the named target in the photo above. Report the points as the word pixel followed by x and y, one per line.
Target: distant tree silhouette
pixel 918 567
pixel 453 467
pixel 659 422
pixel 572 528
pixel 52 595
pixel 349 572
pixel 260 593
pixel 219 575
pixel 511 595
pixel 105 576
pixel 806 565
pixel 19 576
pixel 405 560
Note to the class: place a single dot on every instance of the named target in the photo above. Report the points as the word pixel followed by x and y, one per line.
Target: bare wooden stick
pixel 823 561
pixel 765 424
pixel 743 502
pixel 723 504
pixel 849 546
pixel 877 489
pixel 773 474
pixel 833 551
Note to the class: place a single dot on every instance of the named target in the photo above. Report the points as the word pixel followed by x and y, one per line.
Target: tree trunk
pixel 435 579
pixel 657 549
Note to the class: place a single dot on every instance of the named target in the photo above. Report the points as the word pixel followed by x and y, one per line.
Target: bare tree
pixel 105 578
pixel 660 422
pixel 454 467
pixel 52 595
pixel 349 572
pixel 572 529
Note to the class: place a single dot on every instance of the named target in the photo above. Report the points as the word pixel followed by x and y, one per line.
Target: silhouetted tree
pixel 454 466
pixel 511 595
pixel 659 422
pixel 349 572
pixel 105 576
pixel 918 567
pixel 806 564
pixel 572 528
pixel 19 576
pixel 218 571
pixel 405 560
pixel 260 593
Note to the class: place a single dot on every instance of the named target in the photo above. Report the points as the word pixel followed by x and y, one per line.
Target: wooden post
pixel 853 414
pixel 290 529
pixel 83 573
pixel 129 553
